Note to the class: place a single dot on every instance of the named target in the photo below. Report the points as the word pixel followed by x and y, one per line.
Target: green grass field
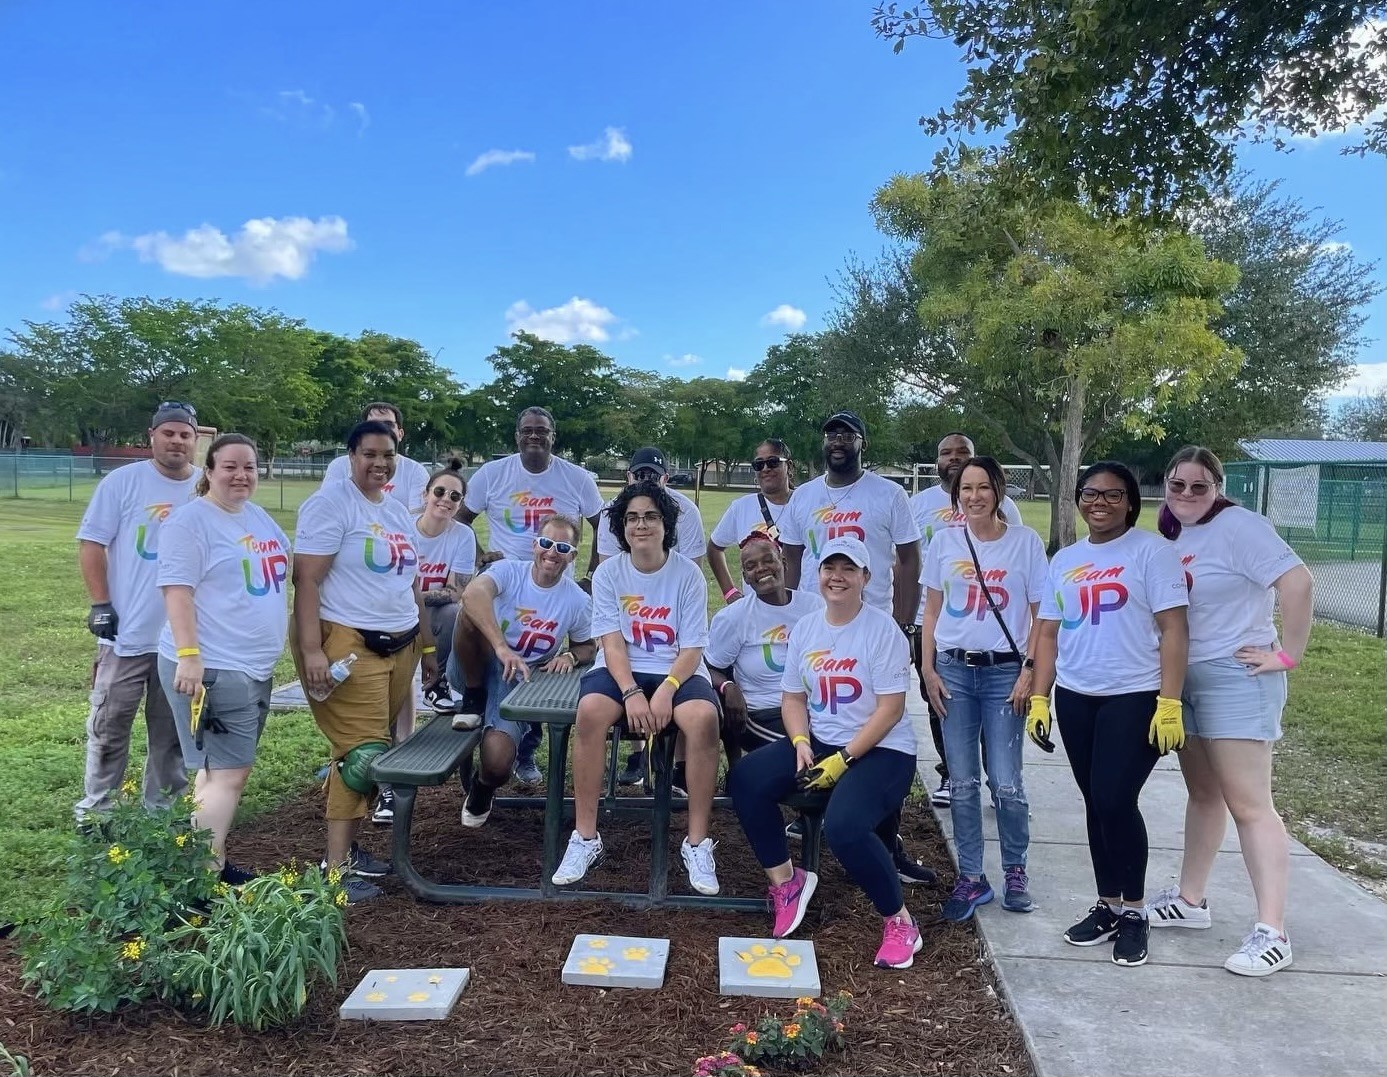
pixel 1331 769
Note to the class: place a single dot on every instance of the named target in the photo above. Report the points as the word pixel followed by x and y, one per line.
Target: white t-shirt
pixel 1105 598
pixel 516 502
pixel 743 517
pixel 238 567
pixel 406 486
pixel 842 669
pixel 657 613
pixel 688 533
pixel 1014 568
pixel 1230 564
pixel 371 582
pixel 454 549
pixel 535 619
pixel 125 515
pixel 872 509
pixel 751 638
pixel 933 511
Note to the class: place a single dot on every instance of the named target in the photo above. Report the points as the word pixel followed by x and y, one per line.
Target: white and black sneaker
pixel 384 814
pixel 476 806
pixel 1262 953
pixel 1169 909
pixel 942 797
pixel 439 696
pixel 1133 933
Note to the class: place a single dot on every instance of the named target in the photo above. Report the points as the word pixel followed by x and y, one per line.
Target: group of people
pixel 1146 642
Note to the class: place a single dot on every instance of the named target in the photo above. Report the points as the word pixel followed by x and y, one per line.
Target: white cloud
pixel 1348 117
pixel 58 300
pixel 683 360
pixel 612 146
pixel 1335 246
pixel 264 248
pixel 786 317
pixel 101 247
pixel 497 157
pixel 363 118
pixel 577 321
pixel 1369 378
pixel 296 106
pixel 736 374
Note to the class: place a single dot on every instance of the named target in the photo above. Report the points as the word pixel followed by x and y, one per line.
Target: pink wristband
pixel 727 595
pixel 1286 660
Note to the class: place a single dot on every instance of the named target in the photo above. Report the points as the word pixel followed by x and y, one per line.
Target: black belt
pixel 981 658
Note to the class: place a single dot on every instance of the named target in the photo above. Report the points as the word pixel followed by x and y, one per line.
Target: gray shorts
pixel 240 704
pixel 1221 702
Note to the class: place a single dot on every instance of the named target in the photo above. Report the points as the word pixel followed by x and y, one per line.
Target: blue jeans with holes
pixel 979 711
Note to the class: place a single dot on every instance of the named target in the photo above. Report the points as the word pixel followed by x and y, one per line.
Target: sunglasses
pixel 443 491
pixel 647 474
pixel 1089 494
pixel 763 462
pixel 177 404
pixel 564 548
pixel 846 437
pixel 1179 486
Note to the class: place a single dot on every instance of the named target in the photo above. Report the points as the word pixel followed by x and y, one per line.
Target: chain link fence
pixel 1335 517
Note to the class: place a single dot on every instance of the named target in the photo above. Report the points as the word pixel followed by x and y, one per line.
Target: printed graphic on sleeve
pixel 526 513
pixel 390 551
pixel 835 523
pixel 1098 591
pixel 157 513
pixel 650 627
pixel 965 598
pixel 831 683
pixel 265 566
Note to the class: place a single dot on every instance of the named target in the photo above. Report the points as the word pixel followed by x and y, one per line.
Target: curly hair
pixel 664 503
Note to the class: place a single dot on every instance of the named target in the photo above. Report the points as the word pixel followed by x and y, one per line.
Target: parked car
pixel 1016 493
pixel 680 478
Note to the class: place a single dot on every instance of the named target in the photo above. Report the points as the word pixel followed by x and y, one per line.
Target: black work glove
pixel 102 620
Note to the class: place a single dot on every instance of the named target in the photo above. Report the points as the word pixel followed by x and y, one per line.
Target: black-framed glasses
pixel 165 404
pixel 650 519
pixel 443 491
pixel 564 548
pixel 844 436
pixel 1090 494
pixel 763 462
pixel 1198 488
pixel 647 474
pixel 535 432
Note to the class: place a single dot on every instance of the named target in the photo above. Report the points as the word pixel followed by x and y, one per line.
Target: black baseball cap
pixel 846 418
pixel 648 457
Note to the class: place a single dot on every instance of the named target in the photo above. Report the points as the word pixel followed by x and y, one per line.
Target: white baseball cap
pixel 850 547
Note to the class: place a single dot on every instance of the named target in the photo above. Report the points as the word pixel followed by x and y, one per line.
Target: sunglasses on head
pixel 1179 486
pixel 443 491
pixel 163 404
pixel 762 533
pixel 564 548
pixel 763 462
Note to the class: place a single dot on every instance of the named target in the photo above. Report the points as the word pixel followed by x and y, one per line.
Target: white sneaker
pixel 463 720
pixel 702 868
pixel 1169 909
pixel 1262 953
pixel 581 854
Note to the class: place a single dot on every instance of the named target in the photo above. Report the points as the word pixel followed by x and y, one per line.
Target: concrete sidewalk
pixel 1182 1013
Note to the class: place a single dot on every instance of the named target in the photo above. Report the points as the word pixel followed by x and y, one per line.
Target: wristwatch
pixel 1029 663
pixel 910 629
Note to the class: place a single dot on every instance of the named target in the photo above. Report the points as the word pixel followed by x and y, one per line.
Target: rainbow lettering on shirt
pixel 830 684
pixel 1099 592
pixel 771 638
pixel 266 559
pixel 970 601
pixel 835 522
pixel 400 556
pixel 648 627
pixel 537 636
pixel 526 512
pixel 157 513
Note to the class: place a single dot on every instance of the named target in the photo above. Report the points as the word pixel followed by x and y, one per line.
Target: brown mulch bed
pixel 942 1016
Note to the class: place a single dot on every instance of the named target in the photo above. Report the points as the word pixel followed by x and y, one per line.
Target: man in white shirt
pixel 117 552
pixel 410 478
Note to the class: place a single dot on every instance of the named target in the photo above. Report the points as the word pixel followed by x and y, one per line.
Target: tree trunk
pixel 1062 532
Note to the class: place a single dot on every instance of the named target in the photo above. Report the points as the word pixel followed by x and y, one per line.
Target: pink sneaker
pixel 790 901
pixel 900 942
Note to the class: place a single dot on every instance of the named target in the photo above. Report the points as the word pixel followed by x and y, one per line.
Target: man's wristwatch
pixel 1028 663
pixel 910 630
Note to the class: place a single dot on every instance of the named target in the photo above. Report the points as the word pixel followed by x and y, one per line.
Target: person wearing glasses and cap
pixel 118 548
pixel 761 511
pixel 516 616
pixel 407 485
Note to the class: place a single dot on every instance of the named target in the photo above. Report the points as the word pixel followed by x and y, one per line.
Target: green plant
pixel 262 948
pixel 814 1028
pixel 724 1064
pixel 19 1065
pixel 132 876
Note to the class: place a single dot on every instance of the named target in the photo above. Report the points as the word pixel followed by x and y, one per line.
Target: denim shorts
pixel 1221 702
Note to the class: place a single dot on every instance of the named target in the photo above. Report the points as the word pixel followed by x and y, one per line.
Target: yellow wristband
pixel 671 679
pixel 797 738
pixel 429 650
pixel 187 652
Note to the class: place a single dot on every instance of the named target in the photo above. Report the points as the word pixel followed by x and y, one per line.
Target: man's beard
pixel 848 464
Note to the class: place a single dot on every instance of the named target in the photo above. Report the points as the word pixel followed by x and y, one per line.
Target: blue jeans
pixel 979 710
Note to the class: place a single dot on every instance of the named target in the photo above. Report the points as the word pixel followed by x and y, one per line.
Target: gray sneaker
pixel 527 772
pixel 359 890
pixel 1015 895
pixel 362 863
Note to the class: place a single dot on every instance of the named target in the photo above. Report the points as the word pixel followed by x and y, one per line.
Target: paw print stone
pixel 616 961
pixel 767 968
pixel 405 995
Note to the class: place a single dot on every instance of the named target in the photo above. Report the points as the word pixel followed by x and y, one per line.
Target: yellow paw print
pixel 596 966
pixel 635 953
pixel 777 963
pixel 376 996
pixel 597 944
pixel 419 996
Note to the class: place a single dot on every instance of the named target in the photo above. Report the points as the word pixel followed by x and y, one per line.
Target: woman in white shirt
pixel 447 561
pixel 775 481
pixel 223 568
pixel 1237 567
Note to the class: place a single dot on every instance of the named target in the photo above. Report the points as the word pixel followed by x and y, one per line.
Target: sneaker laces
pixel 702 856
pixel 1164 898
pixel 1258 943
pixel 1016 878
pixel 963 889
pixel 898 930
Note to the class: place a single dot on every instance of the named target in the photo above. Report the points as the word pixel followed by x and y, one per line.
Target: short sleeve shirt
pixel 842 669
pixel 454 549
pixel 752 638
pixel 536 619
pixel 1014 571
pixel 1105 597
pixel 516 502
pixel 689 531
pixel 933 511
pixel 657 613
pixel 126 514
pixel 743 517
pixel 238 567
pixel 406 486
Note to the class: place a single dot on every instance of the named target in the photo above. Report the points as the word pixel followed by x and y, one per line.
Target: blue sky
pixel 675 188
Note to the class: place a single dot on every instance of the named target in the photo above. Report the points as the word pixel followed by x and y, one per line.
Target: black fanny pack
pixel 387 643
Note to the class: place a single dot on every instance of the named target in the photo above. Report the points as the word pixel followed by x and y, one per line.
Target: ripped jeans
pixel 978 712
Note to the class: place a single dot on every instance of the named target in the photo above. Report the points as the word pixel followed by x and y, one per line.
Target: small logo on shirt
pixel 1186 561
pixel 970 600
pixel 158 512
pixel 771 638
pixel 537 636
pixel 835 523
pixel 267 566
pixel 526 513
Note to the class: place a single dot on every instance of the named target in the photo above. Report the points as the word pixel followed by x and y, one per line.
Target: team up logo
pixel 432 575
pixel 1099 591
pixel 1186 561
pixel 265 566
pixel 526 513
pixel 940 519
pixel 649 624
pixel 829 681
pixel 775 640
pixel 835 523
pixel 390 551
pixel 535 637
pixel 144 534
pixel 968 601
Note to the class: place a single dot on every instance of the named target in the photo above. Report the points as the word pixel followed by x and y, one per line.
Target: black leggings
pixel 1106 739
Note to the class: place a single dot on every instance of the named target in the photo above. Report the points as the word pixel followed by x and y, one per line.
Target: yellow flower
pixel 221 889
pixel 791 1031
pixel 341 899
pixel 190 798
pixel 248 897
pixel 130 787
pixel 195 920
pixel 288 878
pixel 804 1000
pixel 116 855
pixel 133 950
pixel 334 876
pixel 180 840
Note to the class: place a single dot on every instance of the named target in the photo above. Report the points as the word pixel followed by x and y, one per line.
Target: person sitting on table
pixel 650 611
pixel 849 668
pixel 513 618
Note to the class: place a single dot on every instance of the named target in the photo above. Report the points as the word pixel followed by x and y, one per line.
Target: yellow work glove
pixel 825 773
pixel 1038 723
pixel 1167 726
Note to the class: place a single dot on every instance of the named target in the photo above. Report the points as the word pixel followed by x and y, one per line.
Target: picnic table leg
pixel 553 806
pixel 661 760
pixel 399 839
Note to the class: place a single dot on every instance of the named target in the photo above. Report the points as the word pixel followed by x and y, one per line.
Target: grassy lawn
pixel 1330 773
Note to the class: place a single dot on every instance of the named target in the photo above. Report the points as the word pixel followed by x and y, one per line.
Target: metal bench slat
pixel 545 697
pixel 427 757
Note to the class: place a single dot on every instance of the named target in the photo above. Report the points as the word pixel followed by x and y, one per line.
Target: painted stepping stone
pixel 616 961
pixel 768 968
pixel 405 995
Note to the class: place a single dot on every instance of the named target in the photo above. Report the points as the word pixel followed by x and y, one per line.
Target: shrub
pixel 814 1028
pixel 724 1064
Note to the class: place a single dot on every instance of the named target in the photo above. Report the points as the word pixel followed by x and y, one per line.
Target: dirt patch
pixel 941 1016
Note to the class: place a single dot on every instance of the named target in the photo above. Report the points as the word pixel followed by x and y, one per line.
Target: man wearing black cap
pixel 118 543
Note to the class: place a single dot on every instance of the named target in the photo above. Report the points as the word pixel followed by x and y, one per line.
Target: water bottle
pixel 339 671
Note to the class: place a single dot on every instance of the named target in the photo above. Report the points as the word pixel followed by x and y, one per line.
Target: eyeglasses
pixel 565 548
pixel 443 491
pixel 1089 494
pixel 1179 486
pixel 535 432
pixel 763 462
pixel 845 436
pixel 647 474
pixel 647 518
pixel 163 404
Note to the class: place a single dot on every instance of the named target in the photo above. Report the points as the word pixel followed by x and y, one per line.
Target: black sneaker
pixel 384 814
pixel 359 890
pixel 234 876
pixel 634 774
pixel 942 797
pixel 1098 926
pixel 477 805
pixel 1133 931
pixel 795 831
pixel 360 862
pixel 911 872
pixel 440 697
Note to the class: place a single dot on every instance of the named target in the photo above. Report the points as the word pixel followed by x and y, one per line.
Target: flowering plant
pixel 724 1064
pixel 814 1028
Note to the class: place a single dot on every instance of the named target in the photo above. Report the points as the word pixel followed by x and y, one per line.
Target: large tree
pixel 1136 105
pixel 1362 418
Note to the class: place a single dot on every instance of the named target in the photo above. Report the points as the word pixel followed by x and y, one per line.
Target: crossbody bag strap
pixel 991 602
pixel 771 528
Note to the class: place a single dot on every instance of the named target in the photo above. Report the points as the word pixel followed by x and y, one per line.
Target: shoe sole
pixel 916 880
pixel 1155 921
pixel 941 802
pixel 811 883
pixel 1028 907
pixel 473 822
pixel 1240 971
pixel 569 882
pixel 1090 942
pixel 919 945
pixel 362 874
pixel 706 891
pixel 383 820
pixel 973 907
pixel 466 722
pixel 1126 964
